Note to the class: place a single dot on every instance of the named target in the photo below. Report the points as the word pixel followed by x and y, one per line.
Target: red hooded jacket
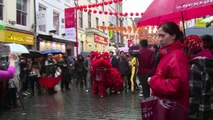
pixel 171 80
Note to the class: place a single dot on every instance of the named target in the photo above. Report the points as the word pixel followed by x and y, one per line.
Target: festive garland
pixel 87 8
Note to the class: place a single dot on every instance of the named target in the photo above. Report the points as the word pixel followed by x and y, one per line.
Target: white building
pixel 50 22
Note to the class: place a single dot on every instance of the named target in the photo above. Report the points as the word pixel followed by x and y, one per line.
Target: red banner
pixel 100 39
pixel 69 17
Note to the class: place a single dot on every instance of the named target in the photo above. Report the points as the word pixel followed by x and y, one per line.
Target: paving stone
pixel 77 105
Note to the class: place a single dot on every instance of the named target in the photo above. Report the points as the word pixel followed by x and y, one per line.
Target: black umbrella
pixel 32 54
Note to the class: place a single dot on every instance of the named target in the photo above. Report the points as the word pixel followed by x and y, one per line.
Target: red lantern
pixel 106 3
pixel 89 6
pixel 131 14
pixel 89 10
pixel 101 4
pixel 115 1
pixel 126 14
pixel 115 13
pixel 120 0
pixel 121 14
pixel 136 14
pixel 141 14
pixel 110 13
pixel 110 2
pixel 94 11
pixel 85 10
pixel 84 6
pixel 100 12
pixel 97 5
pixel 105 12
pixel 93 5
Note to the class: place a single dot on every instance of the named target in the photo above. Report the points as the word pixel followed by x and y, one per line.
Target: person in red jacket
pixel 171 79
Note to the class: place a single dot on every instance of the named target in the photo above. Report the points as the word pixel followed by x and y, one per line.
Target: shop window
pixel 56 22
pixel 1 9
pixel 21 12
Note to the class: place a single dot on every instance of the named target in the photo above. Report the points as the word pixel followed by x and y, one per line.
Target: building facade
pixel 18 19
pixel 50 22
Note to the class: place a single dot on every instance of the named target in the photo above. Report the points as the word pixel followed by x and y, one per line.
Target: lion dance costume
pixel 103 75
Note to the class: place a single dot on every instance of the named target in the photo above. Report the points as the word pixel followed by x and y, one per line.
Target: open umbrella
pixel 161 11
pixel 17 48
pixel 32 54
pixel 51 51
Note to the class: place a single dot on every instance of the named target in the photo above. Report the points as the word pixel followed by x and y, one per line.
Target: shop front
pixel 96 42
pixel 9 36
pixel 46 42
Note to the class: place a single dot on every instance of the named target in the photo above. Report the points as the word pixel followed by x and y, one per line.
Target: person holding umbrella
pixel 10 72
pixel 171 79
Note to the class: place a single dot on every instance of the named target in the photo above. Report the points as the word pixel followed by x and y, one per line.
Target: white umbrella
pixel 17 48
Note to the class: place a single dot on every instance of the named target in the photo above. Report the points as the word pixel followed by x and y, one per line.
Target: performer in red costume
pixel 104 75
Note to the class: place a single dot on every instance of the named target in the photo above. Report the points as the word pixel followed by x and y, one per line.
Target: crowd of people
pixel 178 68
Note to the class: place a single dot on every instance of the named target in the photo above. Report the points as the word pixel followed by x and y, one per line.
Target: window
pixel 42 27
pixel 1 9
pixel 97 21
pixel 103 23
pixel 80 19
pixel 56 22
pixel 103 6
pixel 96 1
pixel 21 12
pixel 89 20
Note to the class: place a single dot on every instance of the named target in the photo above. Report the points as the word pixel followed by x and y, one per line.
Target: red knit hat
pixel 193 42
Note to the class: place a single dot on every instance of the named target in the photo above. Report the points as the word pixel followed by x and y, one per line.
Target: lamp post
pixel 76 26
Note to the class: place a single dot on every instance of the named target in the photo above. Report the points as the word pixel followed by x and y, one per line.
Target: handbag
pixel 153 108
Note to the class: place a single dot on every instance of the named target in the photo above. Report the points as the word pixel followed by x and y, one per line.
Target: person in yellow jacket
pixel 134 65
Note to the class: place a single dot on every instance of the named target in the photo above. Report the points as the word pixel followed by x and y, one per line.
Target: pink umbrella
pixel 161 11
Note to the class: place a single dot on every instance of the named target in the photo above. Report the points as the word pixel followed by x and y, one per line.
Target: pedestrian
pixel 10 72
pixel 80 69
pixel 207 42
pixel 65 74
pixel 171 79
pixel 134 71
pixel 200 81
pixel 146 66
pixel 115 59
pixel 124 69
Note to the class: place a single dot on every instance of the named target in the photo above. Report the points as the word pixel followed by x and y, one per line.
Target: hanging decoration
pixel 87 8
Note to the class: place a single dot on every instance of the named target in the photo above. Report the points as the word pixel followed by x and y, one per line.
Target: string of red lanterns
pixel 87 8
pixel 81 7
pixel 112 13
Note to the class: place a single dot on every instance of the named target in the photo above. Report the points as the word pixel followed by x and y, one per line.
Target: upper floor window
pixel 80 19
pixel 103 6
pixel 1 9
pixel 56 22
pixel 89 20
pixel 21 12
pixel 42 27
pixel 103 23
pixel 97 21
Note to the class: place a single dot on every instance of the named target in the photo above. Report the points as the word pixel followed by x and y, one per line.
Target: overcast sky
pixel 135 5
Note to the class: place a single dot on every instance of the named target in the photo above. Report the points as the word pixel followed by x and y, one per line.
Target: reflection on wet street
pixel 77 105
